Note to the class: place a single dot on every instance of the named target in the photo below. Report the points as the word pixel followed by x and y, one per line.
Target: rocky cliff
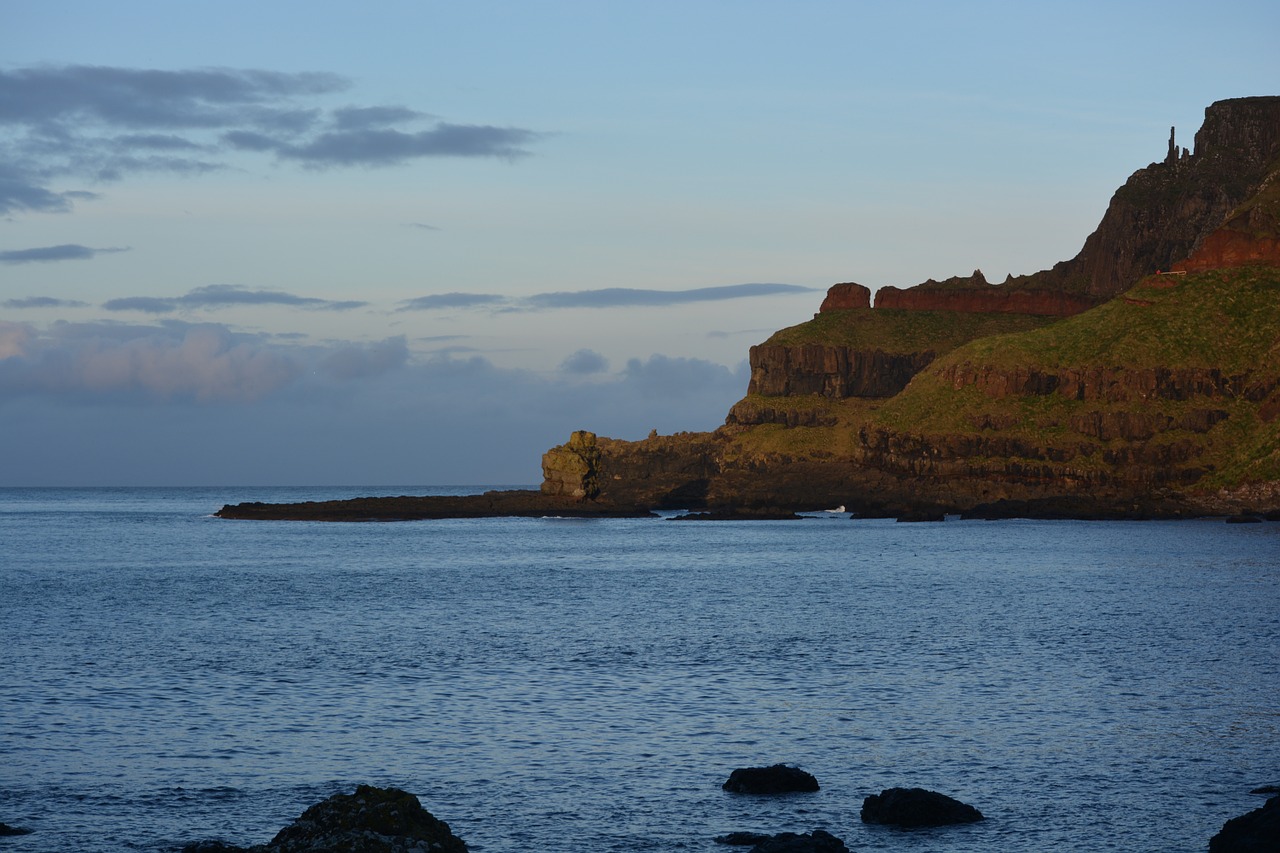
pixel 1162 215
pixel 960 396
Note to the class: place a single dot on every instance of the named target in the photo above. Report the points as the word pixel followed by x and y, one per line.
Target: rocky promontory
pixel 1162 399
pixel 1140 379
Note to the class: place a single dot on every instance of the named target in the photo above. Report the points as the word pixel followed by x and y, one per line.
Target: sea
pixel 587 685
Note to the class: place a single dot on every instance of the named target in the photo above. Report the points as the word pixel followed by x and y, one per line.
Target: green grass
pixel 900 331
pixel 1225 319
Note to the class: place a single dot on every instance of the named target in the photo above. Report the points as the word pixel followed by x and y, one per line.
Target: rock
pixel 973 295
pixel 1243 519
pixel 818 841
pixel 1266 789
pixel 5 829
pixel 778 779
pixel 841 297
pixel 1257 831
pixel 494 504
pixel 742 839
pixel 573 468
pixel 914 807
pixel 372 820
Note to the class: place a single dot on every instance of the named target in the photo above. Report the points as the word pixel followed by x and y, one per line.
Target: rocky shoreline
pixel 533 504
pixel 390 820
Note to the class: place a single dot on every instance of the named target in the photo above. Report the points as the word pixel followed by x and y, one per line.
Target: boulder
pixel 1257 831
pixel 778 779
pixel 818 841
pixel 5 829
pixel 913 807
pixel 372 820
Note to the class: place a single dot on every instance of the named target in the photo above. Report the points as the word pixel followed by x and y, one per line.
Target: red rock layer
pixel 979 300
pixel 846 295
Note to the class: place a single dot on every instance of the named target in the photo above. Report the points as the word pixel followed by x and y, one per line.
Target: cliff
pixel 1161 215
pixel 961 396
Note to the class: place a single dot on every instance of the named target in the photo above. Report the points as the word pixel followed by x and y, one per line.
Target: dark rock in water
pixel 778 779
pixel 817 841
pixel 1257 831
pixel 493 504
pixel 1266 789
pixel 5 829
pixel 372 820
pixel 1244 519
pixel 912 807
pixel 742 839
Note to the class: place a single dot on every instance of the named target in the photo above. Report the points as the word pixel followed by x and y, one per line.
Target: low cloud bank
pixel 193 404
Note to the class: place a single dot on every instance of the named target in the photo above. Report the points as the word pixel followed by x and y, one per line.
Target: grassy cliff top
pixel 1227 319
pixel 902 331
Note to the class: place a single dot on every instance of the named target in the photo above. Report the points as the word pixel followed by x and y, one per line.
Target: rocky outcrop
pixel 660 472
pixel 776 779
pixel 842 297
pixel 916 807
pixel 371 820
pixel 973 295
pixel 573 468
pixel 515 503
pixel 832 371
pixel 1255 832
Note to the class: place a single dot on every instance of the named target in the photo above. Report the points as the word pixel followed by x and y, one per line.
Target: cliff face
pixel 832 371
pixel 1162 214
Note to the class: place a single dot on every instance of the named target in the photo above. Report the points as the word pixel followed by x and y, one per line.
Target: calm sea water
pixel 570 685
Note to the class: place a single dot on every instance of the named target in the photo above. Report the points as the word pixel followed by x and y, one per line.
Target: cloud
pixel 611 297
pixel 388 147
pixel 422 226
pixel 103 123
pixel 203 363
pixel 220 296
pixel 44 254
pixel 180 403
pixel 584 362
pixel 620 297
pixel 41 302
pixel 362 361
pixel 452 300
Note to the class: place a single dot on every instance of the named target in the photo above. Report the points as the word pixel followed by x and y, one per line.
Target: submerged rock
pixel 372 820
pixel 5 829
pixel 1257 831
pixel 778 779
pixel 913 807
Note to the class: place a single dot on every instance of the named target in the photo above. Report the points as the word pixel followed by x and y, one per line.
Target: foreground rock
pixel 1257 831
pixel 496 504
pixel 372 820
pixel 916 807
pixel 778 779
pixel 818 841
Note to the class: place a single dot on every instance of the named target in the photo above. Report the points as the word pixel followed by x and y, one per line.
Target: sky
pixel 411 243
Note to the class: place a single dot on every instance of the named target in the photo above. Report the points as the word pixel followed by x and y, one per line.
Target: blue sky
pixel 420 242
